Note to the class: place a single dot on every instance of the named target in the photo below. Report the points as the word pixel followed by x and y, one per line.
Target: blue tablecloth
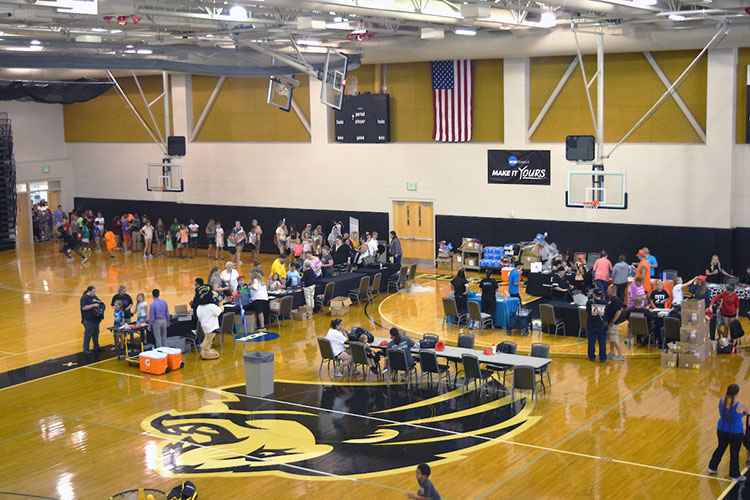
pixel 503 308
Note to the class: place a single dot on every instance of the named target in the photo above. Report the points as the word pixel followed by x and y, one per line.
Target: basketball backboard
pixel 333 78
pixel 607 188
pixel 280 90
pixel 164 177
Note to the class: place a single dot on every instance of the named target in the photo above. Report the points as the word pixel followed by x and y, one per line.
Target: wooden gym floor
pixel 626 429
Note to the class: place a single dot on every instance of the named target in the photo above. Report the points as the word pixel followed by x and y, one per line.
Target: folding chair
pixel 326 354
pixel 524 379
pixel 547 314
pixel 450 310
pixel 475 314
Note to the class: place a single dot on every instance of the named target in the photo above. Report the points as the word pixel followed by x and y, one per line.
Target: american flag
pixel 452 86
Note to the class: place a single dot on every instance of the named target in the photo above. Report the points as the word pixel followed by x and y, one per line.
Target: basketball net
pixel 591 208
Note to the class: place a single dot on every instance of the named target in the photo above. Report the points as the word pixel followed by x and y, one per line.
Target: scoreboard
pixel 364 118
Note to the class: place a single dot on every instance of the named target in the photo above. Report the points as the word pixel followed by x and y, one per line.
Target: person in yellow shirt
pixel 278 266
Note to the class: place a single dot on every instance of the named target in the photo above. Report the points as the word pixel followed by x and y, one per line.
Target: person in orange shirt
pixel 644 270
pixel 109 239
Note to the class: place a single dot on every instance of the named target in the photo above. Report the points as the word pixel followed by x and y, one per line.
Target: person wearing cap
pixel 514 280
pixel 729 304
pixel 699 289
pixel 561 287
pixel 651 260
pixel 644 270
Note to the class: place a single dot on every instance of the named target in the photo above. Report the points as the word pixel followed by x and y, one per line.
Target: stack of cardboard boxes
pixel 694 345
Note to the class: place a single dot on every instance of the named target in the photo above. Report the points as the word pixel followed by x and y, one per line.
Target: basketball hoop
pixel 159 188
pixel 590 207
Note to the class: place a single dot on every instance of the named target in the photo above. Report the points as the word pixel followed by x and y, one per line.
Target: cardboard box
pixel 694 334
pixel 445 263
pixel 690 361
pixel 693 312
pixel 458 261
pixel 679 347
pixel 471 262
pixel 339 311
pixel 301 313
pixel 669 359
pixel 528 260
pixel 341 302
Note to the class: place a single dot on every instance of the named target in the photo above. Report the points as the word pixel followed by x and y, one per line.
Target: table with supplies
pixel 540 284
pixel 343 282
pixel 298 296
pixel 124 338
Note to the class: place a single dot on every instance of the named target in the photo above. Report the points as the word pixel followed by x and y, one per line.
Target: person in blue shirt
pixel 119 314
pixel 730 432
pixel 426 489
pixel 293 277
pixel 651 260
pixel 514 279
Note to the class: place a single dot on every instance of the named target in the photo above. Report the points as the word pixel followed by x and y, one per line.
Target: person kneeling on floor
pixel 208 316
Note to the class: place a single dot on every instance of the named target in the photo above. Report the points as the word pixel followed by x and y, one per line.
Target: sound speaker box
pixel 176 145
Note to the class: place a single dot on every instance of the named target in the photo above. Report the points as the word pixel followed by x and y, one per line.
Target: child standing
pixel 293 276
pixel 184 238
pixel 168 242
pixel 85 237
pixel 219 241
pixel 193 230
pixel 111 243
pixel 274 283
pixel 141 308
pixel 119 314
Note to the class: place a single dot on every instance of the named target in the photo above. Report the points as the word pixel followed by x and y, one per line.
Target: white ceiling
pixel 393 30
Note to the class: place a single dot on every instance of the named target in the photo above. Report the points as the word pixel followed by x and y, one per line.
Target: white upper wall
pixel 668 184
pixel 38 142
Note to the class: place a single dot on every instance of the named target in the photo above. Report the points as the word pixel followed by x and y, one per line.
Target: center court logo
pixel 297 433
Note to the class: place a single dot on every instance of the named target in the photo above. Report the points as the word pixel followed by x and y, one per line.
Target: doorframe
pixel 391 215
pixel 28 201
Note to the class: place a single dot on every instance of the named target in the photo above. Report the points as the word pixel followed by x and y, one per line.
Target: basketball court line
pixel 455 433
pixel 729 488
pixel 608 459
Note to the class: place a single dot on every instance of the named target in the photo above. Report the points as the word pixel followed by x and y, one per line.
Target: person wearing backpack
pixel 729 431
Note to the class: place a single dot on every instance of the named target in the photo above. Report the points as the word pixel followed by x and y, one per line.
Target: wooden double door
pixel 414 223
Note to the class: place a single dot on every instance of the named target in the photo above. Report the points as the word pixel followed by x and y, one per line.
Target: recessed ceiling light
pixel 677 17
pixel 308 42
pixel 128 46
pixel 36 42
pixel 464 31
pixel 337 19
pixel 144 51
pixel 97 29
pixel 131 51
pixel 209 35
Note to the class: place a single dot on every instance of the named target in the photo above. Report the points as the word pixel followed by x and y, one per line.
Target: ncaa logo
pixel 512 161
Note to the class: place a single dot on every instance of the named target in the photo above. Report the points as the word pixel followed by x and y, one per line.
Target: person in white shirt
pixel 98 230
pixel 373 244
pixel 258 298
pixel 337 336
pixel 219 241
pixel 678 294
pixel 230 275
pixel 193 240
pixel 208 317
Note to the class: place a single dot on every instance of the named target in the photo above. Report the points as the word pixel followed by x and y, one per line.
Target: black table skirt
pixel 568 314
pixel 388 271
pixel 342 283
pixel 535 284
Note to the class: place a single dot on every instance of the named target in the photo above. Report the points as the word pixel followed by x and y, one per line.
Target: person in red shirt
pixel 730 305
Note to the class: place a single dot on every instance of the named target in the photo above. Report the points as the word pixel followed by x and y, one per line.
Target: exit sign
pixel 45 170
pixel 411 186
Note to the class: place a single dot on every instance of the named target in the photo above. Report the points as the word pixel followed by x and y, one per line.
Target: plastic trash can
pixel 258 373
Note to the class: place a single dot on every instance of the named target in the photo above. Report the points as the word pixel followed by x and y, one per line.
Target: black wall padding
pixel 686 249
pixel 268 217
pixel 80 90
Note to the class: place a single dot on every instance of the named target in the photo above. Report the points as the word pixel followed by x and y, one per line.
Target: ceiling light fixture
pixel 308 42
pixel 238 12
pixel 645 2
pixel 209 35
pixel 464 31
pixel 36 42
pixel 144 51
pixel 548 20
pixel 677 17
pixel 98 29
pixel 128 46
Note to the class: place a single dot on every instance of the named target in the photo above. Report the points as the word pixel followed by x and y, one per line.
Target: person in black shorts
pixel 70 244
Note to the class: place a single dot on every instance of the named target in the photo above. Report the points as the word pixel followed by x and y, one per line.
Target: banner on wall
pixel 353 226
pixel 518 167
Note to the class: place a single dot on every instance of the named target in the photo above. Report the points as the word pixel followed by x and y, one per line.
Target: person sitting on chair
pixel 337 335
pixel 639 311
pixel 373 358
pixel 659 297
pixel 561 287
pixel 401 341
